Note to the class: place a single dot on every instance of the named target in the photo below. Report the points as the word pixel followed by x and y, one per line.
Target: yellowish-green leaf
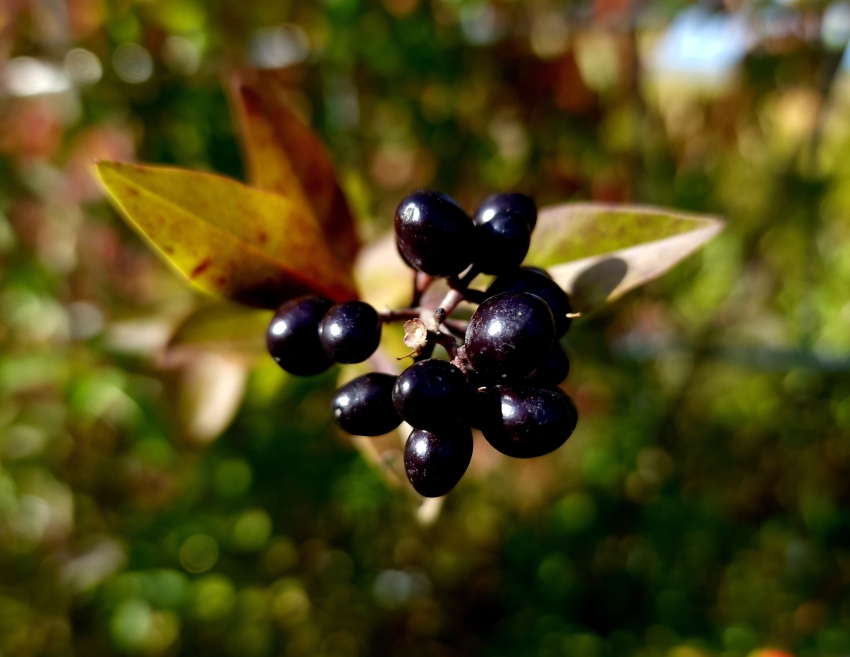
pixel 224 328
pixel 599 252
pixel 228 239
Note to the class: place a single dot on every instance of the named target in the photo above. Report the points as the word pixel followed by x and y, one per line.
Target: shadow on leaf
pixel 594 285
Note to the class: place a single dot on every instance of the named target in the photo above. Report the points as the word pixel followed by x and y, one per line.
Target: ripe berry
pixel 533 281
pixel 526 420
pixel 554 369
pixel 435 462
pixel 433 233
pixel 431 394
pixel 350 332
pixel 364 406
pixel 510 334
pixel 293 336
pixel 538 270
pixel 496 203
pixel 502 243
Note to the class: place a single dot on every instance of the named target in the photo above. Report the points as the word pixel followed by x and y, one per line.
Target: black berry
pixel 435 462
pixel 431 394
pixel 364 406
pixel 534 281
pixel 350 332
pixel 525 421
pixel 434 234
pixel 293 336
pixel 510 334
pixel 502 243
pixel 538 270
pixel 554 369
pixel 496 203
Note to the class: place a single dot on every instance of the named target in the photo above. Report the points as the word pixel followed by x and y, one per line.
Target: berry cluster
pixel 503 379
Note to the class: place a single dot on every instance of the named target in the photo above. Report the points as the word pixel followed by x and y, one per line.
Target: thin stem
pixel 462 285
pixel 404 314
pixel 456 326
pixel 451 300
pixel 421 281
pixel 446 341
pixel 467 278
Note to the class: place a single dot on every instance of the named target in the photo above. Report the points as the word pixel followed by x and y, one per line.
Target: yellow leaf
pixel 283 155
pixel 228 239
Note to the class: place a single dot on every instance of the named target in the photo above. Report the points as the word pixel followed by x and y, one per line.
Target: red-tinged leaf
pixel 250 246
pixel 285 156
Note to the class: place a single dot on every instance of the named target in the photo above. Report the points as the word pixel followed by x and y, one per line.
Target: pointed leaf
pixel 227 239
pixel 210 390
pixel 599 252
pixel 284 156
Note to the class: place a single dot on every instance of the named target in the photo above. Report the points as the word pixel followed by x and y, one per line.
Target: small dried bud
pixel 415 334
pixel 439 316
pixel 460 360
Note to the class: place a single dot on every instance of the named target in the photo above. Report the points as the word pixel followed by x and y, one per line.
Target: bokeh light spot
pixel 198 553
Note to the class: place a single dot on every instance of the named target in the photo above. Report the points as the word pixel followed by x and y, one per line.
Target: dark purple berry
pixel 537 270
pixel 525 420
pixel 364 406
pixel 534 281
pixel 434 234
pixel 554 369
pixel 502 243
pixel 293 336
pixel 510 334
pixel 431 394
pixel 496 203
pixel 350 332
pixel 435 462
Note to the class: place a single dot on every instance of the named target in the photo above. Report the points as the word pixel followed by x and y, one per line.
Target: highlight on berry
pixel 505 364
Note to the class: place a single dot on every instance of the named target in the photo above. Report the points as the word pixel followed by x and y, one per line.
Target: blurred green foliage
pixel 700 509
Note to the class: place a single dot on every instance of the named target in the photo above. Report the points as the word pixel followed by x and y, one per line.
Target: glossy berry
pixel 293 336
pixel 435 462
pixel 501 243
pixel 350 332
pixel 496 203
pixel 510 334
pixel 554 369
pixel 434 234
pixel 530 279
pixel 364 406
pixel 431 394
pixel 525 421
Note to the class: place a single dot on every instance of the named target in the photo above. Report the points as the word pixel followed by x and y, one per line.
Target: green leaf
pixel 599 252
pixel 228 239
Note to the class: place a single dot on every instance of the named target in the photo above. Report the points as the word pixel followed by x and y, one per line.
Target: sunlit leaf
pixel 231 240
pixel 384 278
pixel 209 392
pixel 599 252
pixel 284 156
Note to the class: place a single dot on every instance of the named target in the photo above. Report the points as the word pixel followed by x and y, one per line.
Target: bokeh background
pixel 205 504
